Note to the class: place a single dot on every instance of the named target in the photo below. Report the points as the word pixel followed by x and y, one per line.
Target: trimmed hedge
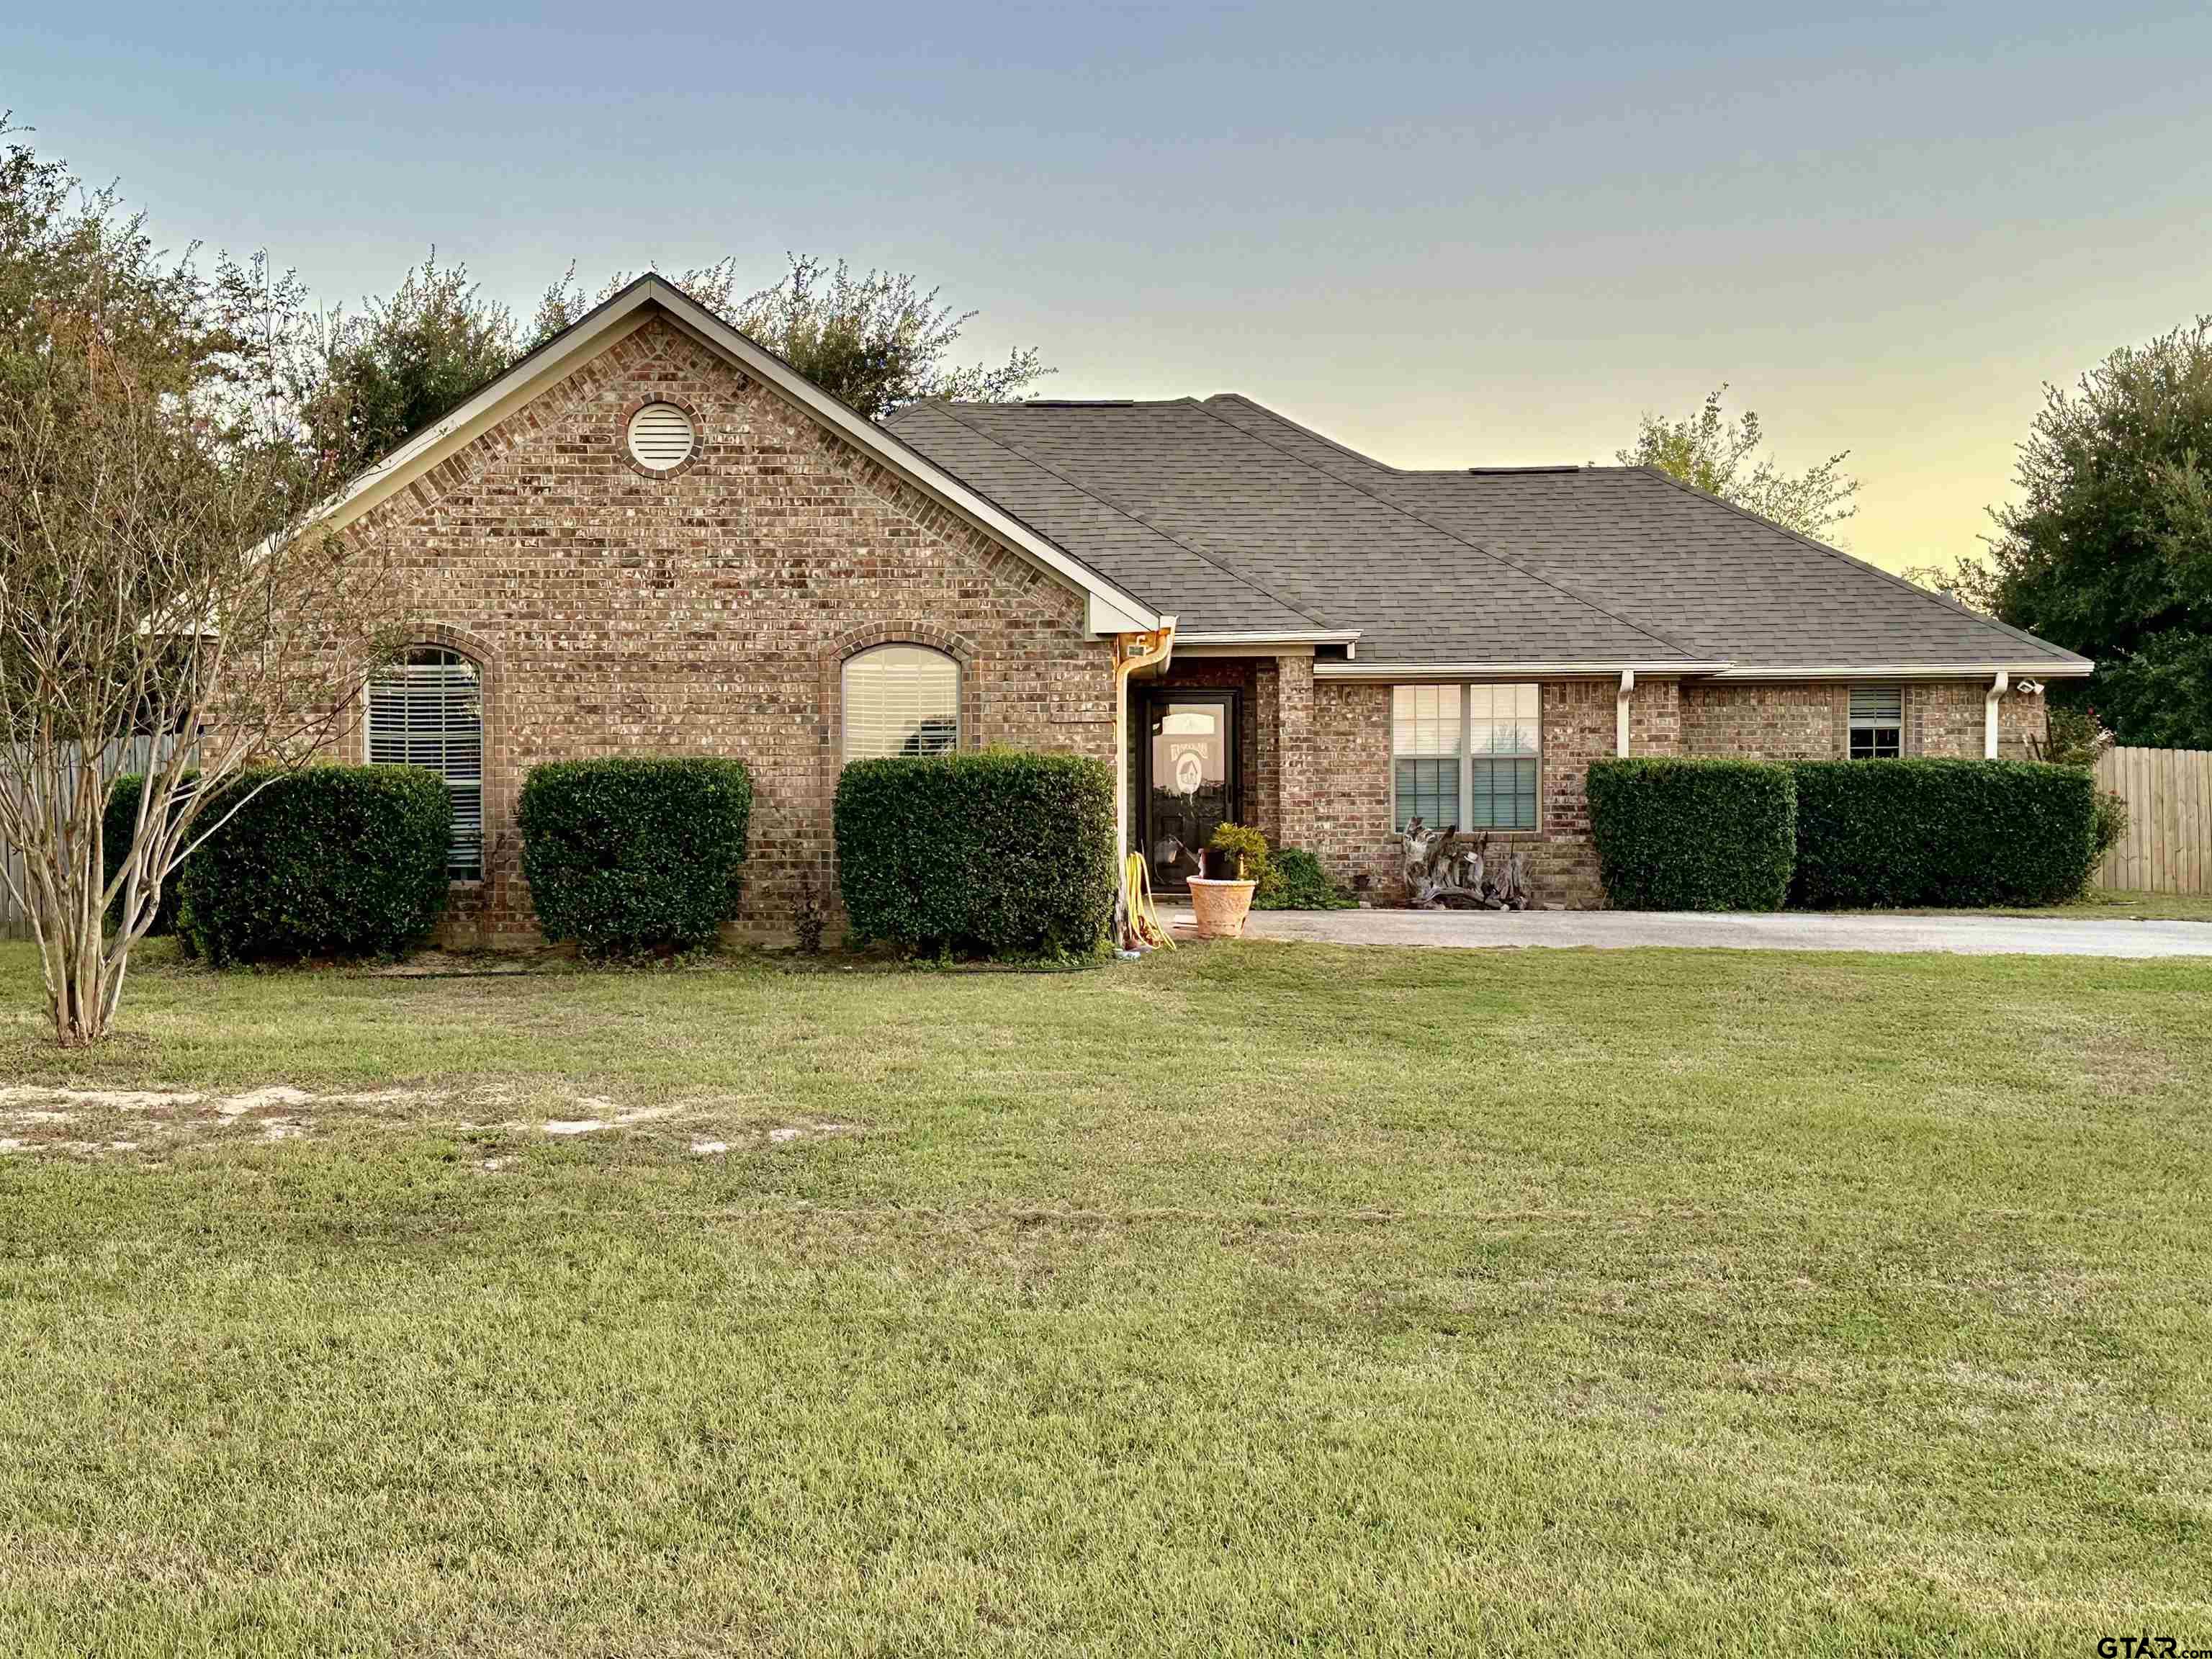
pixel 119 824
pixel 1694 835
pixel 329 860
pixel 630 853
pixel 1001 852
pixel 1876 834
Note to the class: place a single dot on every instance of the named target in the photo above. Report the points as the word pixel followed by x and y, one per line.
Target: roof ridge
pixel 1231 571
pixel 1950 606
pixel 1687 652
pixel 1281 419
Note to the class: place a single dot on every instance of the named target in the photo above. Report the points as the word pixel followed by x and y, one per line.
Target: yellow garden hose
pixel 1146 929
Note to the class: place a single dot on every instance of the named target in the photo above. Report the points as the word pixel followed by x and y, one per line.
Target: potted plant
pixel 1235 861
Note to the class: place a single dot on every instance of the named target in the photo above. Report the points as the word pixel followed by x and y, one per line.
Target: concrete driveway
pixel 1621 930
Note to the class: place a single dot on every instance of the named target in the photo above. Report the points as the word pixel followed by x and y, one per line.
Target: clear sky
pixel 1446 235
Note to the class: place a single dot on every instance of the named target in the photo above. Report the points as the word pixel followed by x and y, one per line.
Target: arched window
pixel 901 700
pixel 428 710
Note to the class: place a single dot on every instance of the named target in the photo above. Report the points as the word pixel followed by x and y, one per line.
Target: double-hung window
pixel 428 711
pixel 1877 722
pixel 1467 755
pixel 1428 748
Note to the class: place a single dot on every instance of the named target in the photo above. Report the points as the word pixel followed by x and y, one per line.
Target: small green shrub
pixel 1296 881
pixel 1002 853
pixel 1876 834
pixel 2110 829
pixel 119 824
pixel 1243 853
pixel 630 853
pixel 1693 834
pixel 330 860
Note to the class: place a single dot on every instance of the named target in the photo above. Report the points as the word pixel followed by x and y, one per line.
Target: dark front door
pixel 1189 782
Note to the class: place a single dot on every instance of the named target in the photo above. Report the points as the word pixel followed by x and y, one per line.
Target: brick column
pixel 1295 766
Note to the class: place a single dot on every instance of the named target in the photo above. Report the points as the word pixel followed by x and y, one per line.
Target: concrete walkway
pixel 1621 930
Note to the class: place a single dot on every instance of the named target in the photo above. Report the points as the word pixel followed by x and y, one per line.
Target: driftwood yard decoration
pixel 1447 870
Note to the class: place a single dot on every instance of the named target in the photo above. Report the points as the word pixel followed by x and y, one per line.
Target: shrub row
pixel 1694 835
pixel 330 860
pixel 1716 834
pixel 1879 834
pixel 1004 853
pixel 625 854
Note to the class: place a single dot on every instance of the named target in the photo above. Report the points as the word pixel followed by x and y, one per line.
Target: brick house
pixel 652 536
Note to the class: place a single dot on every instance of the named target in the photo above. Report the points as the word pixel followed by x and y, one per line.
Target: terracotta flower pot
pixel 1219 908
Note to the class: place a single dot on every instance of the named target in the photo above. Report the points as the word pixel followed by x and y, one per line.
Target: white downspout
pixel 1620 712
pixel 1997 689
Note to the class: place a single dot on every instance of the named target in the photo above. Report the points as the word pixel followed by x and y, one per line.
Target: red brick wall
pixel 1354 835
pixel 1764 721
pixel 710 612
pixel 1811 721
pixel 1947 718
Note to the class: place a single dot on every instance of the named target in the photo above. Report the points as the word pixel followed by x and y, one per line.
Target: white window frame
pixel 464 860
pixel 1874 725
pixel 859 659
pixel 1468 754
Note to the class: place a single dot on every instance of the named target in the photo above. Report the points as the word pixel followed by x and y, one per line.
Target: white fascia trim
pixel 1497 671
pixel 2076 669
pixel 1277 637
pixel 1111 610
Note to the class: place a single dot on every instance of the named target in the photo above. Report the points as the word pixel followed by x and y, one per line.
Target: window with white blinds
pixel 1467 755
pixel 901 700
pixel 1877 722
pixel 429 711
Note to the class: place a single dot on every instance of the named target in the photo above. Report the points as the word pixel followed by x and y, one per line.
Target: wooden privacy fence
pixel 2168 846
pixel 128 754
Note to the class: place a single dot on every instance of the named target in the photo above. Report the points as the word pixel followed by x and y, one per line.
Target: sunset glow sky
pixel 1446 235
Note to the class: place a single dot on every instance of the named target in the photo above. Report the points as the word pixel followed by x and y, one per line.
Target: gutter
pixel 1407 671
pixel 2076 668
pixel 1315 636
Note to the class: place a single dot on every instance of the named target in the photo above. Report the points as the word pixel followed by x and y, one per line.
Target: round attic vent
pixel 660 437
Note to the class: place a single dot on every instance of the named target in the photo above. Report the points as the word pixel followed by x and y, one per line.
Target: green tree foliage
pixel 878 340
pixel 1721 458
pixel 367 379
pixel 2108 551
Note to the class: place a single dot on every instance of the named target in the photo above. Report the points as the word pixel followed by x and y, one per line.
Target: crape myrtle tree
pixel 879 341
pixel 161 575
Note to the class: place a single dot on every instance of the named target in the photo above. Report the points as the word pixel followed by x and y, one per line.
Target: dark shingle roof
pixel 1240 520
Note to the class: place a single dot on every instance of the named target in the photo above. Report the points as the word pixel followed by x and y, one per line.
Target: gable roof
pixel 1111 607
pixel 1232 515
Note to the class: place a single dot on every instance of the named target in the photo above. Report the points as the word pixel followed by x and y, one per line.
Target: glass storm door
pixel 1190 779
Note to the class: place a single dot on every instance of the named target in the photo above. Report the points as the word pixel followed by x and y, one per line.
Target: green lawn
pixel 1257 1299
